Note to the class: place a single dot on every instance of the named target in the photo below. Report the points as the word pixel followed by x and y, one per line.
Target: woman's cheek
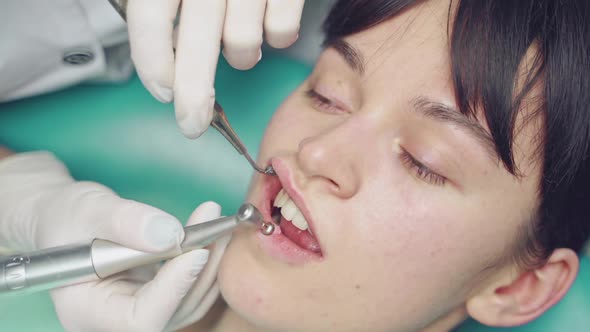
pixel 286 130
pixel 405 218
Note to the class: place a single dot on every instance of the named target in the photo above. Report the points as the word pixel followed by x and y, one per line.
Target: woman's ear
pixel 516 300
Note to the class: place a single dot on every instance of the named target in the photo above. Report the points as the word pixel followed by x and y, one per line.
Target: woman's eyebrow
pixel 423 105
pixel 447 114
pixel 352 56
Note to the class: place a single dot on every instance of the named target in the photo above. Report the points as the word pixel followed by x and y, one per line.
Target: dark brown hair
pixel 489 40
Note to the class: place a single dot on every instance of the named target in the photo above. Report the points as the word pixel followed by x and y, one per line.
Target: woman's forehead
pixel 410 53
pixel 422 27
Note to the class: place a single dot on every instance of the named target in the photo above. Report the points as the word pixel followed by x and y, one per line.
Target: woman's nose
pixel 332 158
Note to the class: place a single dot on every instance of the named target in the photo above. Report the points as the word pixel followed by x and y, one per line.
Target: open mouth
pixel 293 223
pixel 294 240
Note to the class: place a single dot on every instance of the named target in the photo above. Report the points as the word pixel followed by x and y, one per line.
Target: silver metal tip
pixel 267 228
pixel 270 171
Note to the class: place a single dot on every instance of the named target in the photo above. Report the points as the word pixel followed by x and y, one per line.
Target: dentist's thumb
pixel 139 226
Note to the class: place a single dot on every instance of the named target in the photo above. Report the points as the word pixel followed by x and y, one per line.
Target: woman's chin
pixel 246 285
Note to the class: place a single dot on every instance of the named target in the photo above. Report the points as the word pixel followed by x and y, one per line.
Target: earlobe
pixel 515 300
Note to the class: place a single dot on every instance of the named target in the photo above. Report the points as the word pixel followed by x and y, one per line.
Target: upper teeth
pixel 290 211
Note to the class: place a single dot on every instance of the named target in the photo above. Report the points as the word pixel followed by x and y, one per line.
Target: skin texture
pixel 402 251
pixel 382 224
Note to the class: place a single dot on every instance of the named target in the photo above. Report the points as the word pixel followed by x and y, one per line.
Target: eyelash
pixel 422 172
pixel 322 102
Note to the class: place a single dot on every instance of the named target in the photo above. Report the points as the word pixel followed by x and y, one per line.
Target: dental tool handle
pixel 67 265
pixel 222 125
pixel 110 258
pixel 46 269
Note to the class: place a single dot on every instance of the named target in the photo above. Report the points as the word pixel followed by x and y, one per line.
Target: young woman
pixel 434 166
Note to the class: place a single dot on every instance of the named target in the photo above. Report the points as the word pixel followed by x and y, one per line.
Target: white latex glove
pixel 41 206
pixel 205 291
pixel 188 76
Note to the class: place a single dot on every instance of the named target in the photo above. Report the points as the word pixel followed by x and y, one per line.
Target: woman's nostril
pixel 334 185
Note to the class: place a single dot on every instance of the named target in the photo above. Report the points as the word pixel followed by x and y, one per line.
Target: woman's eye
pixel 322 103
pixel 421 171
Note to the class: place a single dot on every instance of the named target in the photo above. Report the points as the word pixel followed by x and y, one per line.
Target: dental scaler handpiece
pixel 67 265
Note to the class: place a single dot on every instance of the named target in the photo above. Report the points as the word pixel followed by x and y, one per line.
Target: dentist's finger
pixel 204 212
pixel 150 25
pixel 141 227
pixel 136 225
pixel 199 42
pixel 202 295
pixel 121 303
pixel 129 223
pixel 242 32
pixel 101 213
pixel 200 298
pixel 157 301
pixel 282 21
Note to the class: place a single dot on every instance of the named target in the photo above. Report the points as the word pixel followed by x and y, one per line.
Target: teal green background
pixel 120 136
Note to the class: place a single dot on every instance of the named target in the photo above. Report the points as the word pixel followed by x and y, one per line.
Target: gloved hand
pixel 187 76
pixel 205 291
pixel 41 206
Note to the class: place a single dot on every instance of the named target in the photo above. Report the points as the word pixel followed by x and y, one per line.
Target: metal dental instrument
pixel 219 121
pixel 67 265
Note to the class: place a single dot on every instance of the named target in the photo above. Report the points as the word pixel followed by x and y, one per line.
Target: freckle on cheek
pixel 357 286
pixel 312 293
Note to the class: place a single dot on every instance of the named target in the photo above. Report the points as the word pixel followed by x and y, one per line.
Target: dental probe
pixel 219 121
pixel 67 265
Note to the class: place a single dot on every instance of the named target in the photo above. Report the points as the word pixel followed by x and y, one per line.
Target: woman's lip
pixel 277 244
pixel 280 247
pixel 272 186
pixel 286 180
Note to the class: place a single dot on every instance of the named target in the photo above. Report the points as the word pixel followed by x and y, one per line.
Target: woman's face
pixel 404 195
